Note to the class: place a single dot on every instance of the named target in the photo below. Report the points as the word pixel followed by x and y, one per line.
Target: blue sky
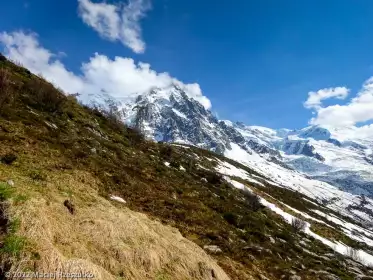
pixel 255 60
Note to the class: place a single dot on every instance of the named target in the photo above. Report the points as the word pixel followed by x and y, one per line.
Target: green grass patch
pixel 20 198
pixel 6 191
pixel 162 276
pixel 13 245
pixel 14 225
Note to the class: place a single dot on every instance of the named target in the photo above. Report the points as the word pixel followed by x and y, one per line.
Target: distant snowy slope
pixel 339 156
pixel 332 165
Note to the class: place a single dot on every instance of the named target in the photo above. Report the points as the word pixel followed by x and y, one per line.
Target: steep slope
pixel 335 156
pixel 312 158
pixel 102 238
pixel 76 183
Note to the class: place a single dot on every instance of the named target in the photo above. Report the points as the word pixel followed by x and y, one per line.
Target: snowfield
pixel 353 231
pixel 339 247
pixel 324 193
pixel 226 168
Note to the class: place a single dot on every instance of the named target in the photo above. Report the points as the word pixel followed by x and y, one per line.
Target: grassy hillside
pixel 54 150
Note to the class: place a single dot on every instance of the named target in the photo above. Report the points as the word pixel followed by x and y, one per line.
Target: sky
pixel 271 63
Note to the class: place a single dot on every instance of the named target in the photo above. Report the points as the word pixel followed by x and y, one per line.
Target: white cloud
pixel 130 27
pixel 25 48
pixel 120 78
pixel 104 18
pixel 365 132
pixel 358 110
pixel 315 98
pixel 117 22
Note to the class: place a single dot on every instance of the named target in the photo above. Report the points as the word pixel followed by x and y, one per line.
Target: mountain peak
pixel 334 155
pixel 315 132
pixel 169 114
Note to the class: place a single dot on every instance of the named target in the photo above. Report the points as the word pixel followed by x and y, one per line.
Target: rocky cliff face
pixel 169 115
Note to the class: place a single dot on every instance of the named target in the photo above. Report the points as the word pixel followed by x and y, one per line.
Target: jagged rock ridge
pixel 169 115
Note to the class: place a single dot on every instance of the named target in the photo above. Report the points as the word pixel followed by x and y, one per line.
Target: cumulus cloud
pixel 104 18
pixel 358 110
pixel 315 98
pixel 120 78
pixel 25 48
pixel 117 22
pixel 365 132
pixel 345 118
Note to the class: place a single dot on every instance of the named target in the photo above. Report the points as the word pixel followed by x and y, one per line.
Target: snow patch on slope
pixel 226 168
pixel 322 192
pixel 351 230
pixel 339 247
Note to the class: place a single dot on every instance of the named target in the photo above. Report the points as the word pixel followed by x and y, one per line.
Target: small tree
pixel 298 225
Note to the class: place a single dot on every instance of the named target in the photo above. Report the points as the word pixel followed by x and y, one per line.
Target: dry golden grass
pixel 63 150
pixel 103 237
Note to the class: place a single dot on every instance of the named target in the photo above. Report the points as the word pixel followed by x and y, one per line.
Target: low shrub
pixel 44 96
pixel 175 164
pixel 298 225
pixel 231 218
pixel 252 200
pixel 5 88
pixel 80 153
pixel 213 178
pixel 135 136
pixel 166 152
pixel 37 175
pixel 8 158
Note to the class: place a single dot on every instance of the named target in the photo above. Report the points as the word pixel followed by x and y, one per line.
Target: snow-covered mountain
pixel 169 115
pixel 312 160
pixel 332 155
